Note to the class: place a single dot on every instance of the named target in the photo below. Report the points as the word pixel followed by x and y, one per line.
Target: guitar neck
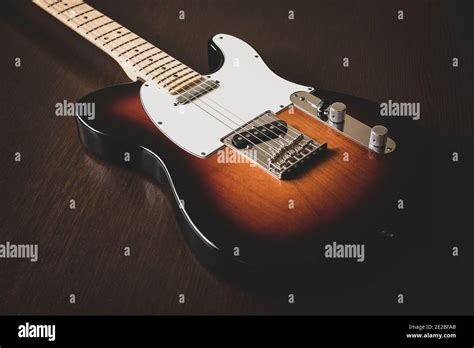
pixel 138 58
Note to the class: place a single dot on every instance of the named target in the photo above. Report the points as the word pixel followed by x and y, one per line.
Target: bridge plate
pixel 279 153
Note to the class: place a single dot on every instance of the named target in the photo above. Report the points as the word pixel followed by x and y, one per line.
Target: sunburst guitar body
pixel 264 172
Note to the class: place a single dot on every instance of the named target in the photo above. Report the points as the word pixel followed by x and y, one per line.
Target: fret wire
pixel 174 74
pixel 80 14
pixel 110 31
pixel 100 26
pixel 93 19
pixel 159 60
pixel 141 52
pixel 171 73
pixel 195 75
pixel 183 87
pixel 166 71
pixel 154 61
pixel 70 8
pixel 179 77
pixel 134 47
pixel 116 38
pixel 147 57
pixel 170 66
pixel 190 72
pixel 159 66
pixel 54 3
pixel 127 42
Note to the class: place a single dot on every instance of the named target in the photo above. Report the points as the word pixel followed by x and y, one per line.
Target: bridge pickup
pixel 260 134
pixel 282 154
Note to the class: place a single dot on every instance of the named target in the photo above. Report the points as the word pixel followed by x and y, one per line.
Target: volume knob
pixel 337 112
pixel 378 136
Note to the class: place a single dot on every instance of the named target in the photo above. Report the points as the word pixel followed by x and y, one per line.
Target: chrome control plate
pixel 351 127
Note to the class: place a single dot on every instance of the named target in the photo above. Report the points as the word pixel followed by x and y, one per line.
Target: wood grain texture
pixel 81 250
pixel 240 205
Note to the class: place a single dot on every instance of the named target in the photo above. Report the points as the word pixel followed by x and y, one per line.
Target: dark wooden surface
pixel 81 250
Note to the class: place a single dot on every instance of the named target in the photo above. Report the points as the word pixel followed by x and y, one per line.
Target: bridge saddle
pixel 275 146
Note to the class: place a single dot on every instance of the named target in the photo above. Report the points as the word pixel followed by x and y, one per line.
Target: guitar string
pixel 200 81
pixel 55 5
pixel 262 163
pixel 232 128
pixel 264 125
pixel 207 84
pixel 257 120
pixel 98 31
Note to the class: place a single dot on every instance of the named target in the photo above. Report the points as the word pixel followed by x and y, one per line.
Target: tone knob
pixel 337 112
pixel 378 136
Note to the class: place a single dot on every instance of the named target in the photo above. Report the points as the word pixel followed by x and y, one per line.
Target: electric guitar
pixel 264 171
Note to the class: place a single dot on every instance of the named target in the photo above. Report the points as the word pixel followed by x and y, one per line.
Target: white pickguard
pixel 247 89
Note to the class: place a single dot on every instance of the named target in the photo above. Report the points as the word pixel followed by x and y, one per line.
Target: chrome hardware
pixel 349 127
pixel 378 136
pixel 280 156
pixel 337 112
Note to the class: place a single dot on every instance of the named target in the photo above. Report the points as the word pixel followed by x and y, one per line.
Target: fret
pixel 144 51
pixel 55 3
pixel 186 85
pixel 116 38
pixel 171 72
pixel 162 66
pixel 134 47
pixel 90 20
pixel 80 14
pixel 100 26
pixel 176 76
pixel 143 59
pixel 70 8
pixel 127 42
pixel 110 31
pixel 159 60
pixel 154 61
pixel 173 78
pixel 165 71
pixel 139 58
pixel 184 78
pixel 137 50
